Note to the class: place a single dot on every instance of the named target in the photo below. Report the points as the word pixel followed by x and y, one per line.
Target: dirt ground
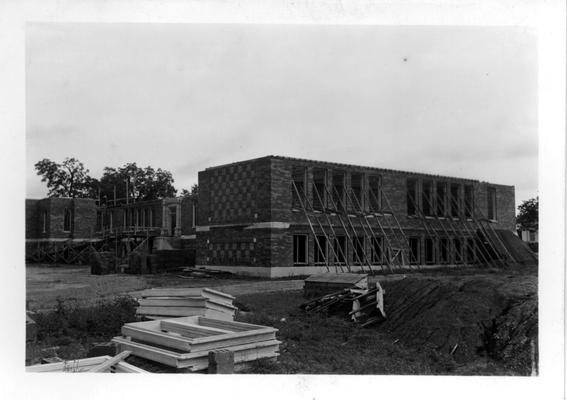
pixel 74 283
pixel 470 321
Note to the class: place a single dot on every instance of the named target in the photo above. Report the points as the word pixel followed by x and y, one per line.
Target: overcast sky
pixel 444 100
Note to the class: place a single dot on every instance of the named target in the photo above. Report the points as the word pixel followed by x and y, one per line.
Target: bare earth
pixel 45 283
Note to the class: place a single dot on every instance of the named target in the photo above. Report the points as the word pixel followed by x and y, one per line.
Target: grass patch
pixel 316 344
pixel 71 330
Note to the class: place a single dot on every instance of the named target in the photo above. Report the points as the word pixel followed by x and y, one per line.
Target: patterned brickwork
pixel 234 246
pixel 275 204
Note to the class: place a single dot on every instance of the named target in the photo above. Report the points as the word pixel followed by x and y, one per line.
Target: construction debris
pixel 183 302
pixel 321 284
pixel 94 364
pixel 365 306
pixel 185 343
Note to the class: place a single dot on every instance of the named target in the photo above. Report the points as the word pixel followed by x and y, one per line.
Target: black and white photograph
pixel 273 198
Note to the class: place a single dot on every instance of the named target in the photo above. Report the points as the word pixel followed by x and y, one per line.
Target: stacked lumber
pixel 185 342
pixel 183 302
pixel 365 306
pixel 94 364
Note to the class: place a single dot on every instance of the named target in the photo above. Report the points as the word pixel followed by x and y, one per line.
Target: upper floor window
pixel 44 221
pixel 356 187
pixel 469 201
pixel 98 221
pixel 298 187
pixel 338 190
pixel 411 187
pixel 455 200
pixel 441 199
pixel 374 192
pixel 68 220
pixel 427 197
pixel 319 188
pixel 492 203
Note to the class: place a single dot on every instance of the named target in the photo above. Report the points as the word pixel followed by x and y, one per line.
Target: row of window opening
pixel 364 192
pixel 374 250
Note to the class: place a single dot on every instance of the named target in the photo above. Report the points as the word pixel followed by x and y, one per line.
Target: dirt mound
pixel 467 318
pixel 517 248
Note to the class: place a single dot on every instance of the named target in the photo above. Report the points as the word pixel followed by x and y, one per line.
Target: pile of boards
pixel 185 342
pixel 106 364
pixel 320 284
pixel 162 303
pixel 365 306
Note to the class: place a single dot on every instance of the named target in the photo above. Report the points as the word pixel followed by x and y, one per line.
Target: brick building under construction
pixel 278 216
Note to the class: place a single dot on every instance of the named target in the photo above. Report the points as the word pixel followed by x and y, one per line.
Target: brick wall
pixel 275 204
pixel 83 212
pixel 33 219
pixel 235 193
pixel 234 246
pixel 85 218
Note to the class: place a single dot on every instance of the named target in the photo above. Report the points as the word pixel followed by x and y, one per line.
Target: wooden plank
pixel 181 343
pixel 180 327
pixel 229 325
pixel 198 361
pixel 109 363
pixel 184 312
pixel 188 292
pixel 162 356
pixel 173 311
pixel 59 367
pixel 173 301
pixel 222 295
pixel 83 365
pixel 124 367
pixel 242 356
pixel 189 330
pixel 200 302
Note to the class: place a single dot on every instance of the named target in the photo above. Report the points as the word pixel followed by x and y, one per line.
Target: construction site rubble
pixel 320 284
pixel 364 306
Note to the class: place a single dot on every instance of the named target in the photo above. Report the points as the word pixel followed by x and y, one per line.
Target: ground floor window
pixel 414 250
pixel 458 246
pixel 358 255
pixel 320 250
pixel 377 250
pixel 299 249
pixel 443 250
pixel 429 253
pixel 339 246
pixel 471 254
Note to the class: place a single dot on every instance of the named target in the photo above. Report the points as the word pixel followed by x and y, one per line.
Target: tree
pixel 142 183
pixel 68 179
pixel 193 192
pixel 528 216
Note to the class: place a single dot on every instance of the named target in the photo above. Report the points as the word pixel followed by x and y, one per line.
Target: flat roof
pixel 342 165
